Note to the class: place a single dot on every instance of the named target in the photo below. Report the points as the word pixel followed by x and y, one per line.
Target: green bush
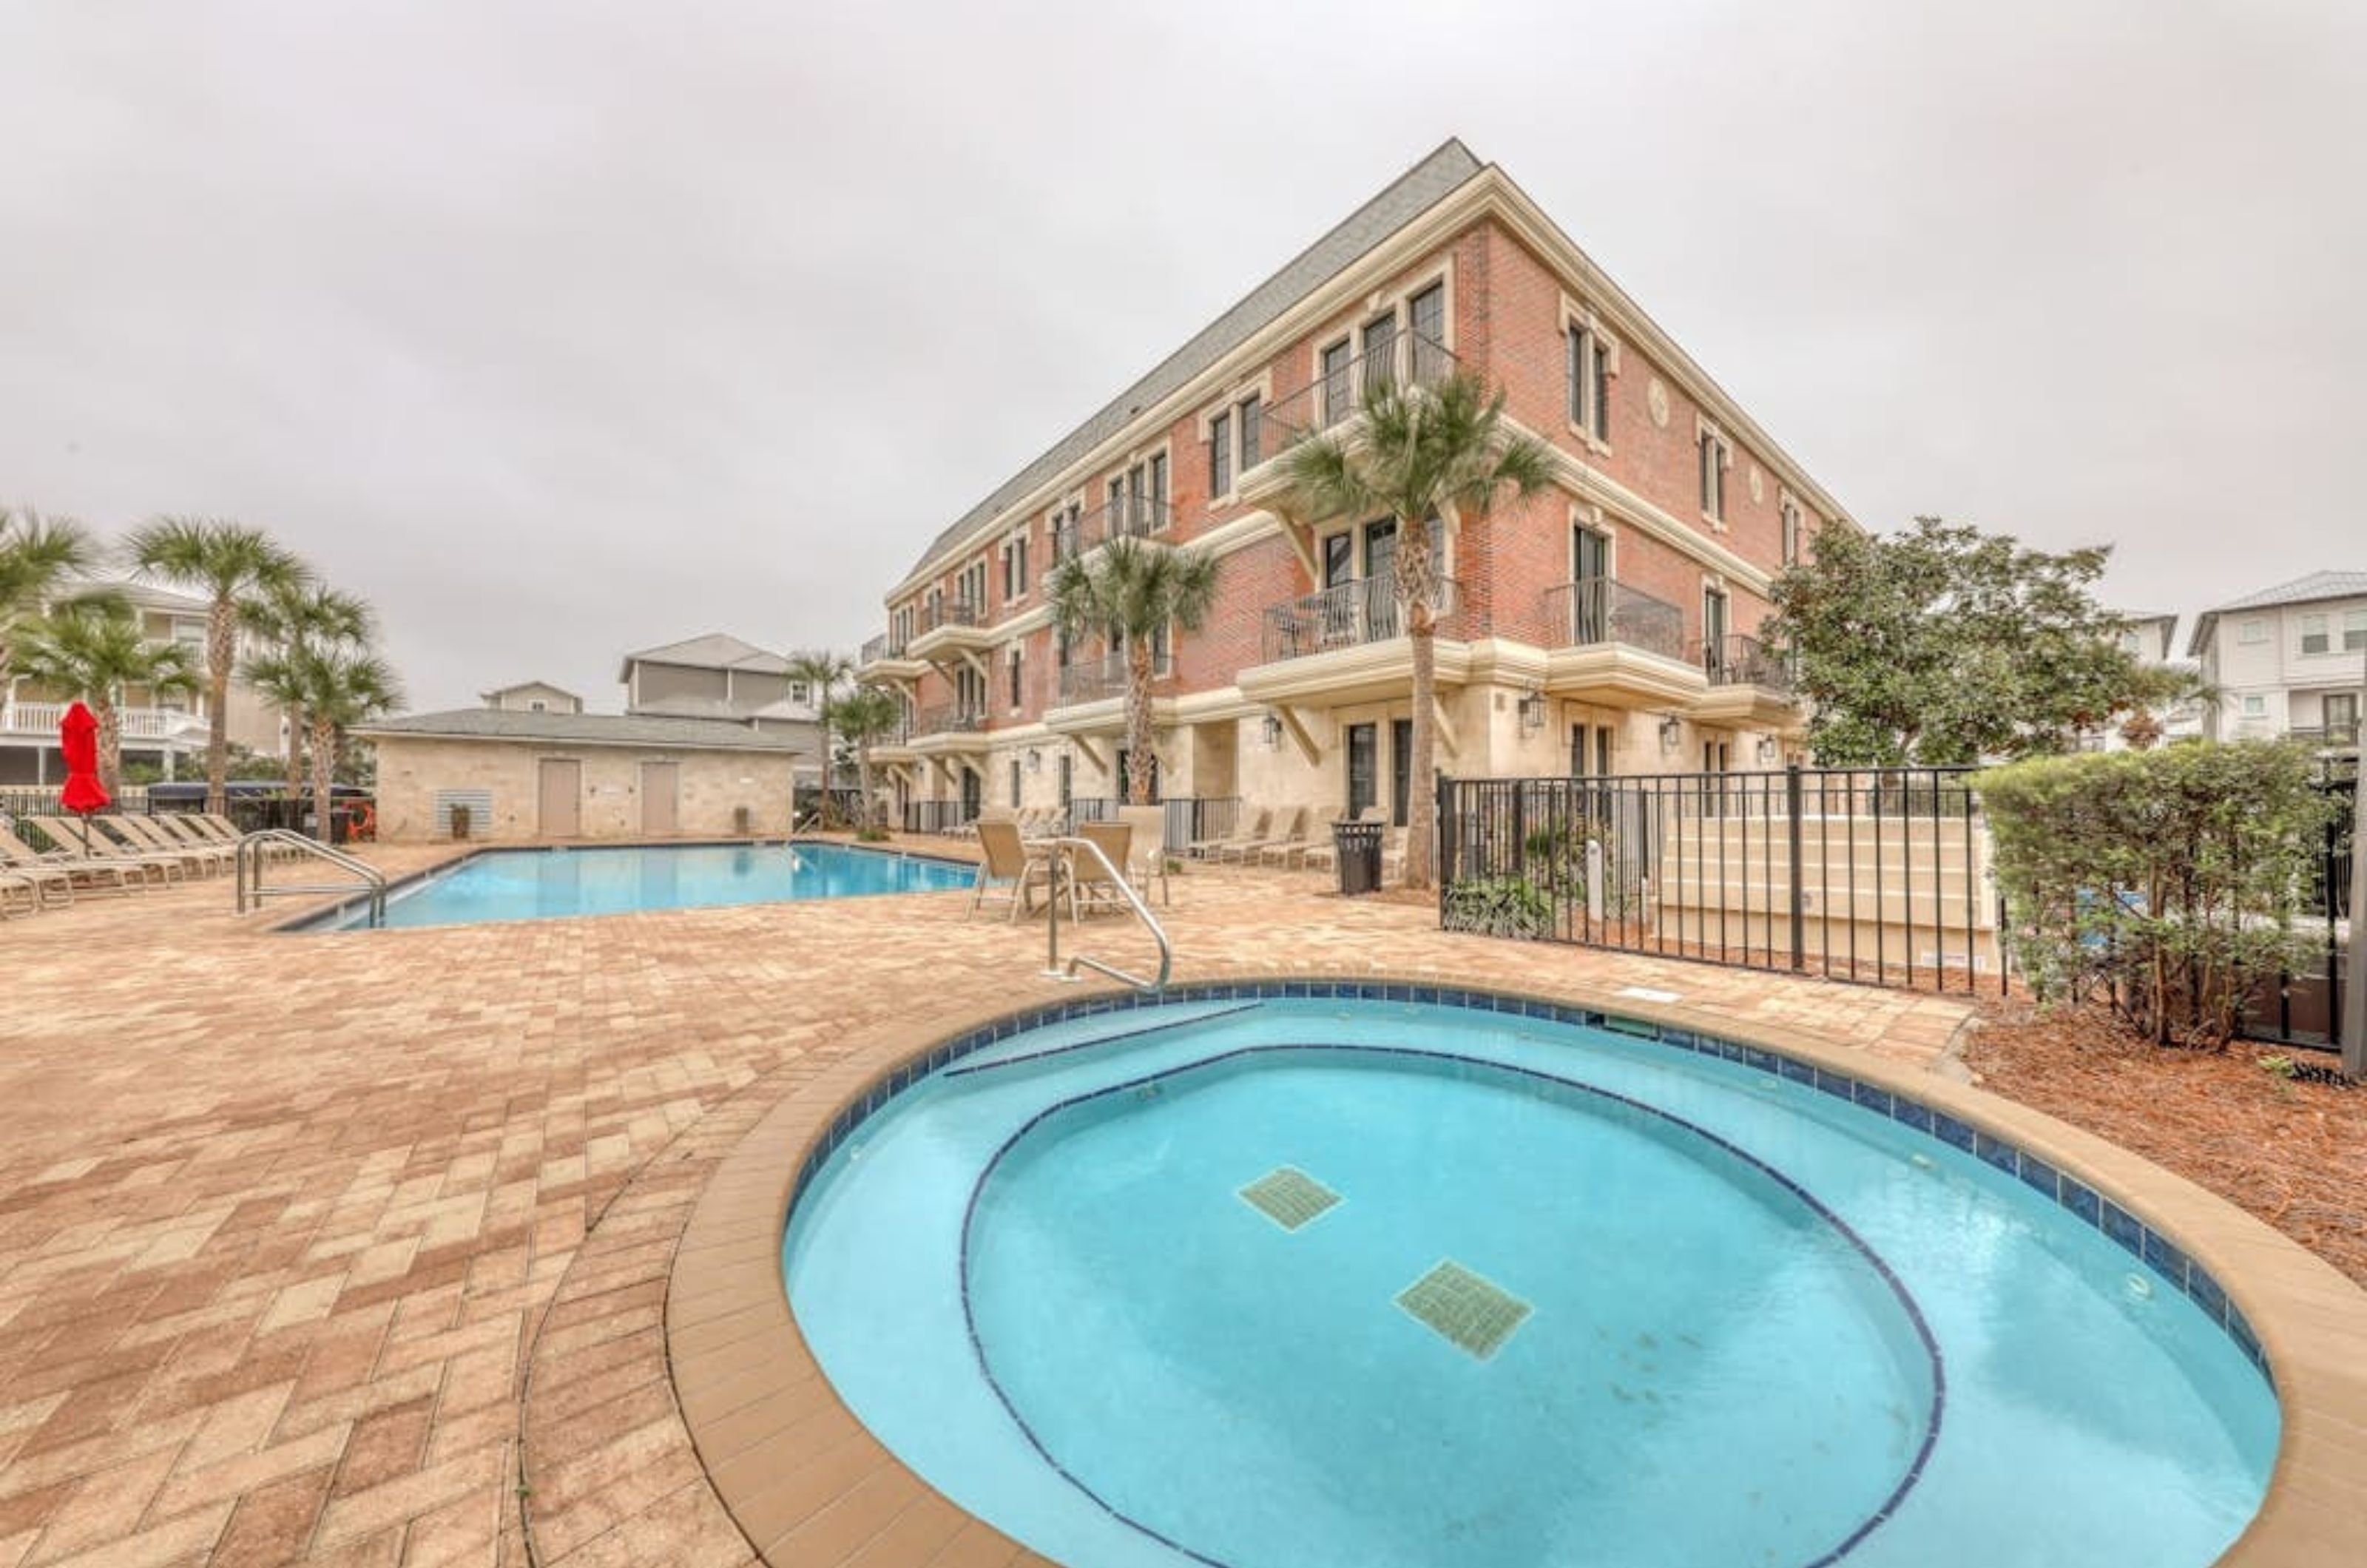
pixel 2166 881
pixel 1500 905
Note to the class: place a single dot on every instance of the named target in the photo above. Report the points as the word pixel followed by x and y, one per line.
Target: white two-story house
pixel 2288 662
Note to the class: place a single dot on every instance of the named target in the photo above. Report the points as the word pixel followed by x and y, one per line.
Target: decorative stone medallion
pixel 1758 485
pixel 1656 398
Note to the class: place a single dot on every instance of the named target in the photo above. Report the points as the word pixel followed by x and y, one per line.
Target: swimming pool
pixel 1292 1281
pixel 544 883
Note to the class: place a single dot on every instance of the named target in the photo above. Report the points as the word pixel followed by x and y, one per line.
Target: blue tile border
pixel 2157 1253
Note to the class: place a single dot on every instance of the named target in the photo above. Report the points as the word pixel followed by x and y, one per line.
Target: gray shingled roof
pixel 1413 193
pixel 583 728
pixel 716 650
pixel 2310 590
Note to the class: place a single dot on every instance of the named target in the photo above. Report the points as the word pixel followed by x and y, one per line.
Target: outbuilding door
pixel 559 799
pixel 661 800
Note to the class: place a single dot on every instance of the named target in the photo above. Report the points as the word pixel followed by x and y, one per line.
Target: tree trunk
pixel 866 810
pixel 295 767
pixel 324 761
pixel 1138 719
pixel 110 744
pixel 1417 590
pixel 222 648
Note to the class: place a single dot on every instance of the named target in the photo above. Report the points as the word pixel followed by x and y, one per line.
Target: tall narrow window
pixel 1014 783
pixel 2314 635
pixel 1600 353
pixel 1337 393
pixel 1713 476
pixel 1067 780
pixel 1380 351
pixel 1579 362
pixel 1221 456
pixel 1791 512
pixel 1426 313
pixel 1252 415
pixel 1157 518
pixel 1012 664
pixel 2354 630
pixel 1714 650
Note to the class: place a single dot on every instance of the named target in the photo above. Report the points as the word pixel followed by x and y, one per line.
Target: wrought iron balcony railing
pixel 1598 610
pixel 885 646
pixel 947 613
pixel 1124 517
pixel 1409 360
pixel 1098 680
pixel 1352 614
pixel 1739 660
pixel 950 718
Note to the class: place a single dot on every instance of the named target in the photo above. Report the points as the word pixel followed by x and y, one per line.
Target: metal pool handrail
pixel 249 863
pixel 1069 847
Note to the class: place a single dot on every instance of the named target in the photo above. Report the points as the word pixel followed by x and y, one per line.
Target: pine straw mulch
pixel 2292 1153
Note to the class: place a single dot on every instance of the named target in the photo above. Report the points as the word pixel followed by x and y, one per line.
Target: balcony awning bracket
pixel 1445 726
pixel 1295 726
pixel 1084 743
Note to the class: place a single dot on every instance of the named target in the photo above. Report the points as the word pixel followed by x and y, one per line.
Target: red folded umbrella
pixel 78 739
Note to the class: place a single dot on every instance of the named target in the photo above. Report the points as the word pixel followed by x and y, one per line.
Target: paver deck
pixel 287 1220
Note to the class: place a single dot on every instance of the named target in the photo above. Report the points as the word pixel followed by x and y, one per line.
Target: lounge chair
pixel 1214 849
pixel 20 894
pixel 1148 850
pixel 1091 889
pixel 1008 870
pixel 103 876
pixel 1285 851
pixel 146 837
pixel 111 835
pixel 1323 854
pixel 89 840
pixel 1294 831
pixel 182 830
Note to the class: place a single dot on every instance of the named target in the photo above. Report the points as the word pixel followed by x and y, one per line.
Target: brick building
pixel 1606 626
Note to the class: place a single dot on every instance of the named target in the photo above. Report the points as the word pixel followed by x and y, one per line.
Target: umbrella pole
pixel 84 816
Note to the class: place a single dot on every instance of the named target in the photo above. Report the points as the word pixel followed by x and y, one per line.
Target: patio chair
pixel 1293 831
pixel 89 842
pixel 183 829
pixel 21 895
pixel 1323 854
pixel 1283 850
pixel 142 833
pixel 1007 870
pixel 1214 849
pixel 97 875
pixel 1149 848
pixel 1091 889
pixel 124 836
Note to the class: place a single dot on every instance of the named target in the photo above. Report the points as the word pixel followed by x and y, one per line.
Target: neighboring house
pixel 534 696
pixel 549 776
pixel 2288 662
pixel 2153 638
pixel 720 677
pixel 168 732
pixel 1608 625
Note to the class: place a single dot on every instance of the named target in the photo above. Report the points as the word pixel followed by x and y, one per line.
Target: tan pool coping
pixel 810 1486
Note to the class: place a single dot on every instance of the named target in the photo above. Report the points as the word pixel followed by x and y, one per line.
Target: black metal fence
pixel 1872 875
pixel 2304 1008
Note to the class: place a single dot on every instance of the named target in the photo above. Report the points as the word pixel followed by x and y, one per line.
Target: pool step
pixel 1051 1051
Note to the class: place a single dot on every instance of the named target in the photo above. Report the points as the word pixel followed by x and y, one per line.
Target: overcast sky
pixel 564 329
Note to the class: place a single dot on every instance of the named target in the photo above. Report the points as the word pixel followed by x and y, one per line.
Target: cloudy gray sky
pixel 561 329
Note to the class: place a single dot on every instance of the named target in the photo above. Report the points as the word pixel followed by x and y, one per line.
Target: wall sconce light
pixel 1672 728
pixel 1272 733
pixel 1533 713
pixel 1766 750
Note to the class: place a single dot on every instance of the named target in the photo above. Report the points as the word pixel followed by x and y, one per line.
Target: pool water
pixel 531 885
pixel 1316 1283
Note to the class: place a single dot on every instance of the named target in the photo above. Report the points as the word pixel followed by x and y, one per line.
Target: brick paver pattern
pixel 286 1219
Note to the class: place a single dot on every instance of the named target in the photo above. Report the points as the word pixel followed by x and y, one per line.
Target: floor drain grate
pixel 1469 1311
pixel 1288 1196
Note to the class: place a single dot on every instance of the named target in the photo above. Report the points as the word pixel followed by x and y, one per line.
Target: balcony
pixel 1618 646
pixel 1750 683
pixel 1409 360
pixel 1124 517
pixel 884 658
pixel 896 746
pixel 1093 696
pixel 948 625
pixel 949 726
pixel 2330 737
pixel 146 725
pixel 1348 644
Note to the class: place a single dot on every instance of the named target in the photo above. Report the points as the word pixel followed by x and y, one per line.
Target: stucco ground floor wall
pixel 416 774
pixel 1299 754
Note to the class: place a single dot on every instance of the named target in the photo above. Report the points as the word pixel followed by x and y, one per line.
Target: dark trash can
pixel 1356 846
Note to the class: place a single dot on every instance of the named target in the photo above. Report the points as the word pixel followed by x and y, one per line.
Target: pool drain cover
pixel 1468 1310
pixel 1288 1196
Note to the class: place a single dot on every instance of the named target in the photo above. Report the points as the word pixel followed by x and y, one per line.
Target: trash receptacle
pixel 1356 846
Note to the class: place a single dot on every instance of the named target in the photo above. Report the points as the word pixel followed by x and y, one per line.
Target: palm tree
pixel 1130 592
pixel 96 651
pixel 825 672
pixel 228 562
pixel 865 716
pixel 335 686
pixel 1422 455
pixel 38 555
pixel 293 615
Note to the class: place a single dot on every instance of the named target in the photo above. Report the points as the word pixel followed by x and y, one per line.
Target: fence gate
pixel 2304 1006
pixel 1872 875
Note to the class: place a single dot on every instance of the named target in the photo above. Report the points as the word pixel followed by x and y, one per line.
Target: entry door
pixel 1381 579
pixel 559 799
pixel 1400 768
pixel 661 800
pixel 2341 716
pixel 1364 768
pixel 973 793
pixel 1714 633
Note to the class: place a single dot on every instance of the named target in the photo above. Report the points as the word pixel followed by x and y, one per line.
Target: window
pixel 1337 396
pixel 1380 351
pixel 2255 630
pixel 1061 646
pixel 1791 514
pixel 970 589
pixel 798 691
pixel 1014 783
pixel 1221 456
pixel 2256 708
pixel 1426 311
pixel 1159 490
pixel 537 706
pixel 1713 459
pixel 2354 631
pixel 1714 624
pixel 2314 638
pixel 1253 422
pixel 1067 779
pixel 1590 381
pixel 1011 665
pixel 1014 568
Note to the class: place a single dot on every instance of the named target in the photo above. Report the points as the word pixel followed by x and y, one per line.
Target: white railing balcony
pixel 138 724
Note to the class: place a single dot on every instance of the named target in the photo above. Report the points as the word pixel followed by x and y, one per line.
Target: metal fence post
pixel 1799 888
